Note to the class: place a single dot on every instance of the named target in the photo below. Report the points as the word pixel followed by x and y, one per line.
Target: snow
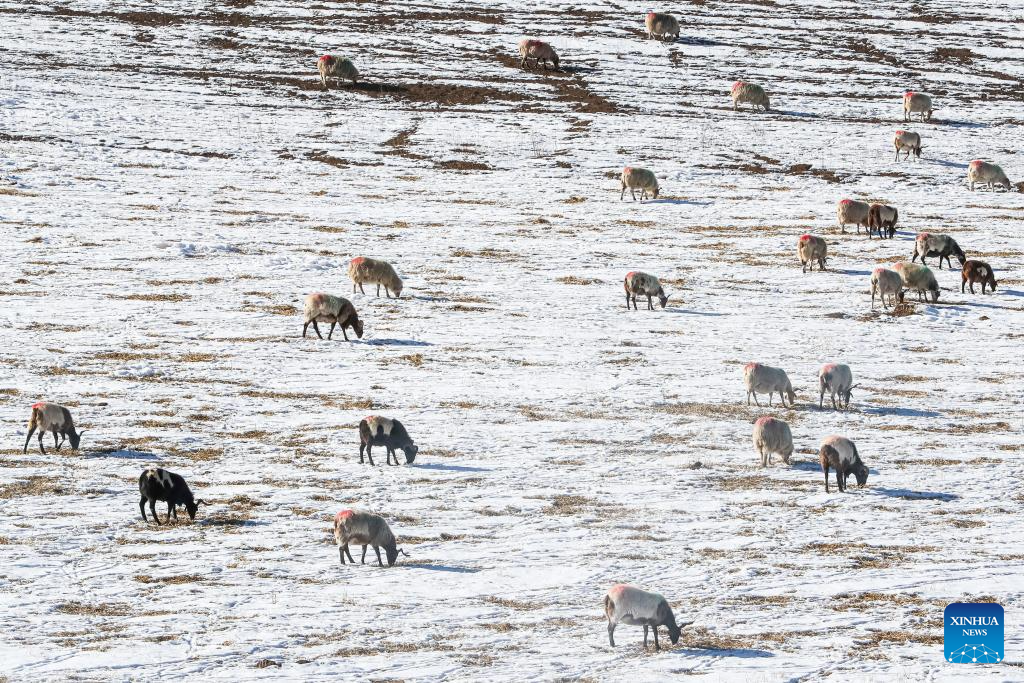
pixel 174 182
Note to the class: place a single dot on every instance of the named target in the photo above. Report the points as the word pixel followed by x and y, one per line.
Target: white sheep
pixel 629 605
pixel 772 436
pixel 852 211
pixel 639 179
pixel 885 282
pixel 371 271
pixel 986 173
pixel 907 142
pixel 835 378
pixel 337 67
pixel 661 25
pixel 841 454
pixel 50 417
pixel 918 278
pixel 336 310
pixel 917 103
pixel 749 93
pixel 764 379
pixel 538 51
pixel 364 529
pixel 810 249
pixel 645 285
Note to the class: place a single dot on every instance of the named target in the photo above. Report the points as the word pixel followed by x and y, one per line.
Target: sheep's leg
pixel 770 396
pixel 824 468
pixel 343 333
pixel 41 432
pixel 611 631
pixel 634 303
pixel 56 446
pixel 387 292
pixel 170 507
pixel 364 554
pixel 821 264
pixel 645 636
pixel 316 328
pixel 972 287
pixel 152 511
pixel 632 191
pixel 834 406
pixel 369 455
pixel 378 289
pixel 377 550
pixel 142 508
pixel 349 553
pixel 657 646
pixel 331 331
pixel 627 301
pixel 341 553
pixel 756 402
pixel 305 326
pixel 361 288
pixel 650 306
pixel 32 429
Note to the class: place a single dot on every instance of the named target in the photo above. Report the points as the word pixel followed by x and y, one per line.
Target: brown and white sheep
pixel 336 310
pixel 811 249
pixel 538 51
pixel 772 436
pixel 641 179
pixel 852 211
pixel 907 142
pixel 661 25
pixel 988 174
pixel 50 417
pixel 840 454
pixel 643 284
pixel 365 529
pixel 342 68
pixel 372 271
pixel 917 103
pixel 749 93
pixel 883 219
pixel 836 379
pixel 977 271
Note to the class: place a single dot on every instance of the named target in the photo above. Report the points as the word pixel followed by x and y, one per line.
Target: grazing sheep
pixel 384 431
pixel 977 271
pixel 841 454
pixel 810 249
pixel 629 605
pixel 365 529
pixel 917 103
pixel 156 484
pixel 772 436
pixel 942 246
pixel 985 173
pixel 50 417
pixel 661 25
pixel 908 142
pixel 764 379
pixel 919 278
pixel 639 179
pixel 367 270
pixel 337 67
pixel 883 219
pixel 749 93
pixel 644 285
pixel 836 378
pixel 336 310
pixel 885 282
pixel 538 51
pixel 852 211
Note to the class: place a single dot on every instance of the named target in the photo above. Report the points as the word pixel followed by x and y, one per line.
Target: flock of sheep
pixel 623 603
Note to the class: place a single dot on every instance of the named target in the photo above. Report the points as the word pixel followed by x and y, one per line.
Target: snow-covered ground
pixel 173 182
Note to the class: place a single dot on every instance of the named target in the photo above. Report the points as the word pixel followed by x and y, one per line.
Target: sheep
pixel 539 51
pixel 629 605
pixel 339 67
pixel 50 417
pixel 917 103
pixel 156 484
pixel 645 285
pixel 639 178
pixel 841 454
pixel 942 246
pixel 384 431
pixel 908 142
pixel 852 211
pixel 764 379
pixel 365 529
pixel 810 249
pixel 883 219
pixel 336 310
pixel 919 278
pixel 661 25
pixel 362 269
pixel 772 436
pixel 977 271
pixel 885 282
pixel 836 378
pixel 986 173
pixel 750 93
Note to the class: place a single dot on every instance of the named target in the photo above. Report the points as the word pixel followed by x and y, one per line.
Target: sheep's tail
pixel 609 606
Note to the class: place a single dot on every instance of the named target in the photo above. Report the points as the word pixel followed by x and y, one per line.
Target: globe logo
pixel 973 633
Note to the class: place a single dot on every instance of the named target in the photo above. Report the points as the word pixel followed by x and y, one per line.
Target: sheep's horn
pixel 403 552
pixel 201 502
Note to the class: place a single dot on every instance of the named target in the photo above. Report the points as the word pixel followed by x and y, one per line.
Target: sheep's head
pixel 192 506
pixel 392 553
pixel 358 327
pixel 410 453
pixel 662 298
pixel 862 474
pixel 76 439
pixel 398 290
pixel 673 633
pixel 917 151
pixel 657 190
pixel 767 103
pixel 935 294
pixel 554 58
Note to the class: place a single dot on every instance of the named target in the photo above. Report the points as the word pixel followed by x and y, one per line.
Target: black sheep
pixel 156 484
pixel 383 431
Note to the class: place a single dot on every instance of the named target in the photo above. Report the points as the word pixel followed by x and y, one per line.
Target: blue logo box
pixel 973 633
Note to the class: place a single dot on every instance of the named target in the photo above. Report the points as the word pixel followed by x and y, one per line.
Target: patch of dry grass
pixel 37 485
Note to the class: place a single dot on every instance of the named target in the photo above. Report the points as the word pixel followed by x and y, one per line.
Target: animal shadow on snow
pixel 914 495
pixel 450 468
pixel 441 568
pixel 689 311
pixel 393 342
pixel 693 40
pixel 742 653
pixel 123 453
pixel 688 202
pixel 901 412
